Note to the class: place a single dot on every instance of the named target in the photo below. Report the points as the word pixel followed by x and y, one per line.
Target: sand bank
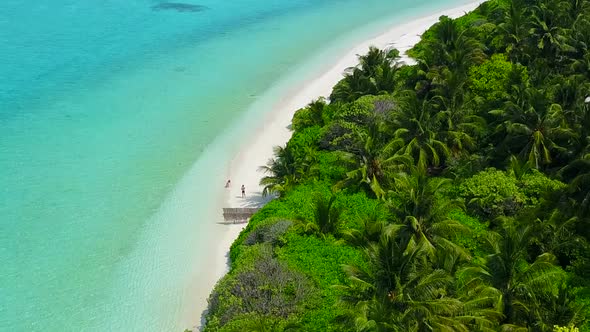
pixel 273 130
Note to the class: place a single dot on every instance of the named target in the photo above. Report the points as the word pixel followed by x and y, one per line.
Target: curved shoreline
pixel 273 128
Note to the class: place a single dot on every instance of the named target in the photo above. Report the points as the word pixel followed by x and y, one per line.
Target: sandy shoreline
pixel 273 129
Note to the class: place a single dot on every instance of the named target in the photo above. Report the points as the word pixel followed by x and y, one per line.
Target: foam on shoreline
pixel 256 146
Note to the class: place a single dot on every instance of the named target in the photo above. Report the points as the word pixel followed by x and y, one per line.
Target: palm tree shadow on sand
pixel 255 200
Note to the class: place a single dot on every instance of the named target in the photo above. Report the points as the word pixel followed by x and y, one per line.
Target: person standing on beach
pixel 228 183
pixel 243 191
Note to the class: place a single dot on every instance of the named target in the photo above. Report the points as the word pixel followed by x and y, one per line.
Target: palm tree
pixel 557 234
pixel 533 126
pixel 311 115
pixel 523 285
pixel 572 10
pixel 397 291
pixel 316 109
pixel 515 29
pixel 480 310
pixel 577 174
pixel 371 159
pixel 326 217
pixel 354 85
pixel 286 170
pixel 581 64
pixel 381 67
pixel 583 129
pixel 570 92
pixel 519 168
pixel 549 37
pixel 372 226
pixel 578 116
pixel 580 34
pixel 453 48
pixel 419 128
pixel 459 123
pixel 424 217
pixel 370 62
pixel 386 78
pixel 375 74
pixel 561 310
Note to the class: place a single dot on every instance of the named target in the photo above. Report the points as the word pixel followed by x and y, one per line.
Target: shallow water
pixel 114 139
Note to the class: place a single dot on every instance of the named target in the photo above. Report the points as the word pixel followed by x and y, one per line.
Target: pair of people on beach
pixel 228 183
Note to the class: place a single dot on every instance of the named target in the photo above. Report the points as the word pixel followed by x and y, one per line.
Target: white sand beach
pixel 273 130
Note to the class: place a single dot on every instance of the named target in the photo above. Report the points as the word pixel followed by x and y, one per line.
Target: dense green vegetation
pixel 451 195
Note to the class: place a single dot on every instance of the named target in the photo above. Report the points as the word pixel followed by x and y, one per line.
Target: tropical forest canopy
pixel 450 195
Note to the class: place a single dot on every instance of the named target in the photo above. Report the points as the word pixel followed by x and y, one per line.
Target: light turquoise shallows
pixel 114 137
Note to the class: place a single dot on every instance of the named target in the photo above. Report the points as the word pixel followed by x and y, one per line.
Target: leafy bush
pixel 268 233
pixel 331 167
pixel 296 205
pixel 255 322
pixel 359 208
pixel 358 111
pixel 363 109
pixel 337 136
pixel 321 260
pixel 492 193
pixel 535 184
pixel 302 144
pixel 473 241
pixel 490 79
pixel 266 287
pixel 565 329
pixel 273 210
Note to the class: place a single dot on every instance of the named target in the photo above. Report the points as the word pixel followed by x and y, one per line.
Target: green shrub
pixel 273 210
pixel 358 111
pixel 255 322
pixel 331 167
pixel 296 205
pixel 492 193
pixel 321 260
pixel 268 233
pixel 536 184
pixel 359 207
pixel 362 110
pixel 303 141
pixel 473 241
pixel 266 287
pixel 490 79
pixel 565 329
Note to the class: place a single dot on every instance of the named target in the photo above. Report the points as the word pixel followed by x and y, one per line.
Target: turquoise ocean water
pixel 117 120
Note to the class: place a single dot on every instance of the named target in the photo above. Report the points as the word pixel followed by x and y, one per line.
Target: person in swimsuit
pixel 228 183
pixel 243 191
